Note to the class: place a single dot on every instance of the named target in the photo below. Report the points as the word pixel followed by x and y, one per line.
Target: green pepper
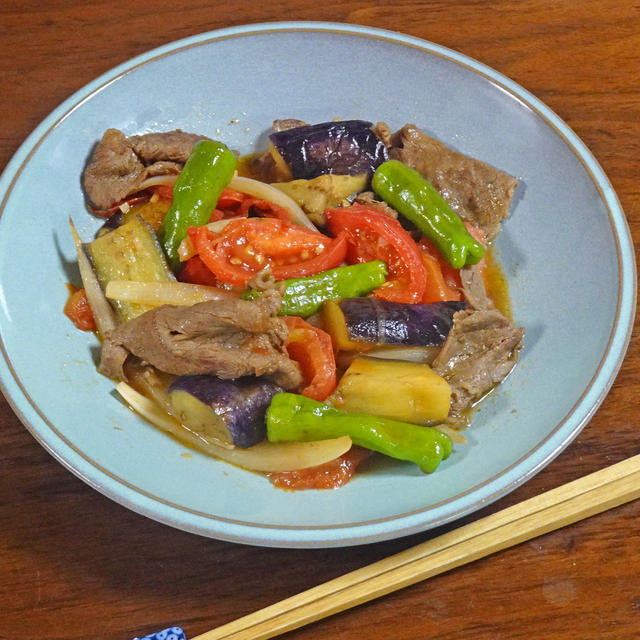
pixel 206 173
pixel 304 296
pixel 416 199
pixel 292 417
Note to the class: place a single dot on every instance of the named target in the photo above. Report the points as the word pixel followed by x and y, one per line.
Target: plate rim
pixel 143 502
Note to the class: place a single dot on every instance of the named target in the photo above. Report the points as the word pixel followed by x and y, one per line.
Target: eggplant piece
pixel 324 192
pixel 230 411
pixel 130 252
pixel 152 212
pixel 372 321
pixel 268 457
pixel 348 147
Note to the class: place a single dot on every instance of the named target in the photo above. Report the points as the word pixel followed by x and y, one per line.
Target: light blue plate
pixel 566 251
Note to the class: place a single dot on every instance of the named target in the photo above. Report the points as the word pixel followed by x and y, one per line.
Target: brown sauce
pixel 496 284
pixel 245 166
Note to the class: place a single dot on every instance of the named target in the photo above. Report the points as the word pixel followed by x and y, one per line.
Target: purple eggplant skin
pixel 112 222
pixel 238 406
pixel 395 323
pixel 347 147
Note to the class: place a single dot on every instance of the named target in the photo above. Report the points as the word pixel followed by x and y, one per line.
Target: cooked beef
pixel 478 192
pixel 119 165
pixel 175 146
pixel 113 171
pixel 479 353
pixel 227 338
pixel 368 198
pixel 473 288
pixel 384 133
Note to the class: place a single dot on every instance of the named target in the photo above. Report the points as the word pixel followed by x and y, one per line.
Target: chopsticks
pixel 569 503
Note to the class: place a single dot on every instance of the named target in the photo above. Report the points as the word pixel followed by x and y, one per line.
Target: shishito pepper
pixel 296 418
pixel 206 173
pixel 304 296
pixel 416 199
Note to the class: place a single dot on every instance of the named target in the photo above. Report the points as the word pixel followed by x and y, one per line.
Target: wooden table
pixel 77 566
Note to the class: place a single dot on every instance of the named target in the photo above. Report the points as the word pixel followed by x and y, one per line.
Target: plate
pixel 230 84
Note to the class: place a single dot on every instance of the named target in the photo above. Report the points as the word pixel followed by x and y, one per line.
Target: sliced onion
pixel 168 179
pixel 102 311
pixel 186 249
pixel 251 187
pixel 408 354
pixel 265 191
pixel 265 457
pixel 156 294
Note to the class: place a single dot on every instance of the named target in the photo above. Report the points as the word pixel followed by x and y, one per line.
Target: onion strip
pixel 265 191
pixel 102 311
pixel 423 355
pixel 266 456
pixel 251 187
pixel 158 293
pixel 167 179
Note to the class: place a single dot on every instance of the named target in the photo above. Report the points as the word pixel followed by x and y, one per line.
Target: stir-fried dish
pixel 294 310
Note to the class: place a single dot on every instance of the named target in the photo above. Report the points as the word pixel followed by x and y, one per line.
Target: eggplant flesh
pixel 394 323
pixel 231 411
pixel 347 147
pixel 129 252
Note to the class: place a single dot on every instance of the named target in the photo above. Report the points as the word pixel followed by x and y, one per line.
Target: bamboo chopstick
pixel 569 503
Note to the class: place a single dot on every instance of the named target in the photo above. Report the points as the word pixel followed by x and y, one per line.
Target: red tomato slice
pixel 248 245
pixel 77 309
pixel 330 475
pixel 234 204
pixel 373 235
pixel 230 198
pixel 263 208
pixel 312 349
pixel 164 191
pixel 443 281
pixel 136 198
pixel 228 205
pixel 194 271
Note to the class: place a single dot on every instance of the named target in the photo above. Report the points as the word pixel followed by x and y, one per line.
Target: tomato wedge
pixel 230 198
pixel 312 349
pixel 194 271
pixel 330 475
pixel 136 198
pixel 164 191
pixel 77 309
pixel 248 245
pixel 263 208
pixel 373 235
pixel 443 281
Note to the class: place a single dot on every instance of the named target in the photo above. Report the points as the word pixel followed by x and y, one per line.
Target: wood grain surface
pixel 76 566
